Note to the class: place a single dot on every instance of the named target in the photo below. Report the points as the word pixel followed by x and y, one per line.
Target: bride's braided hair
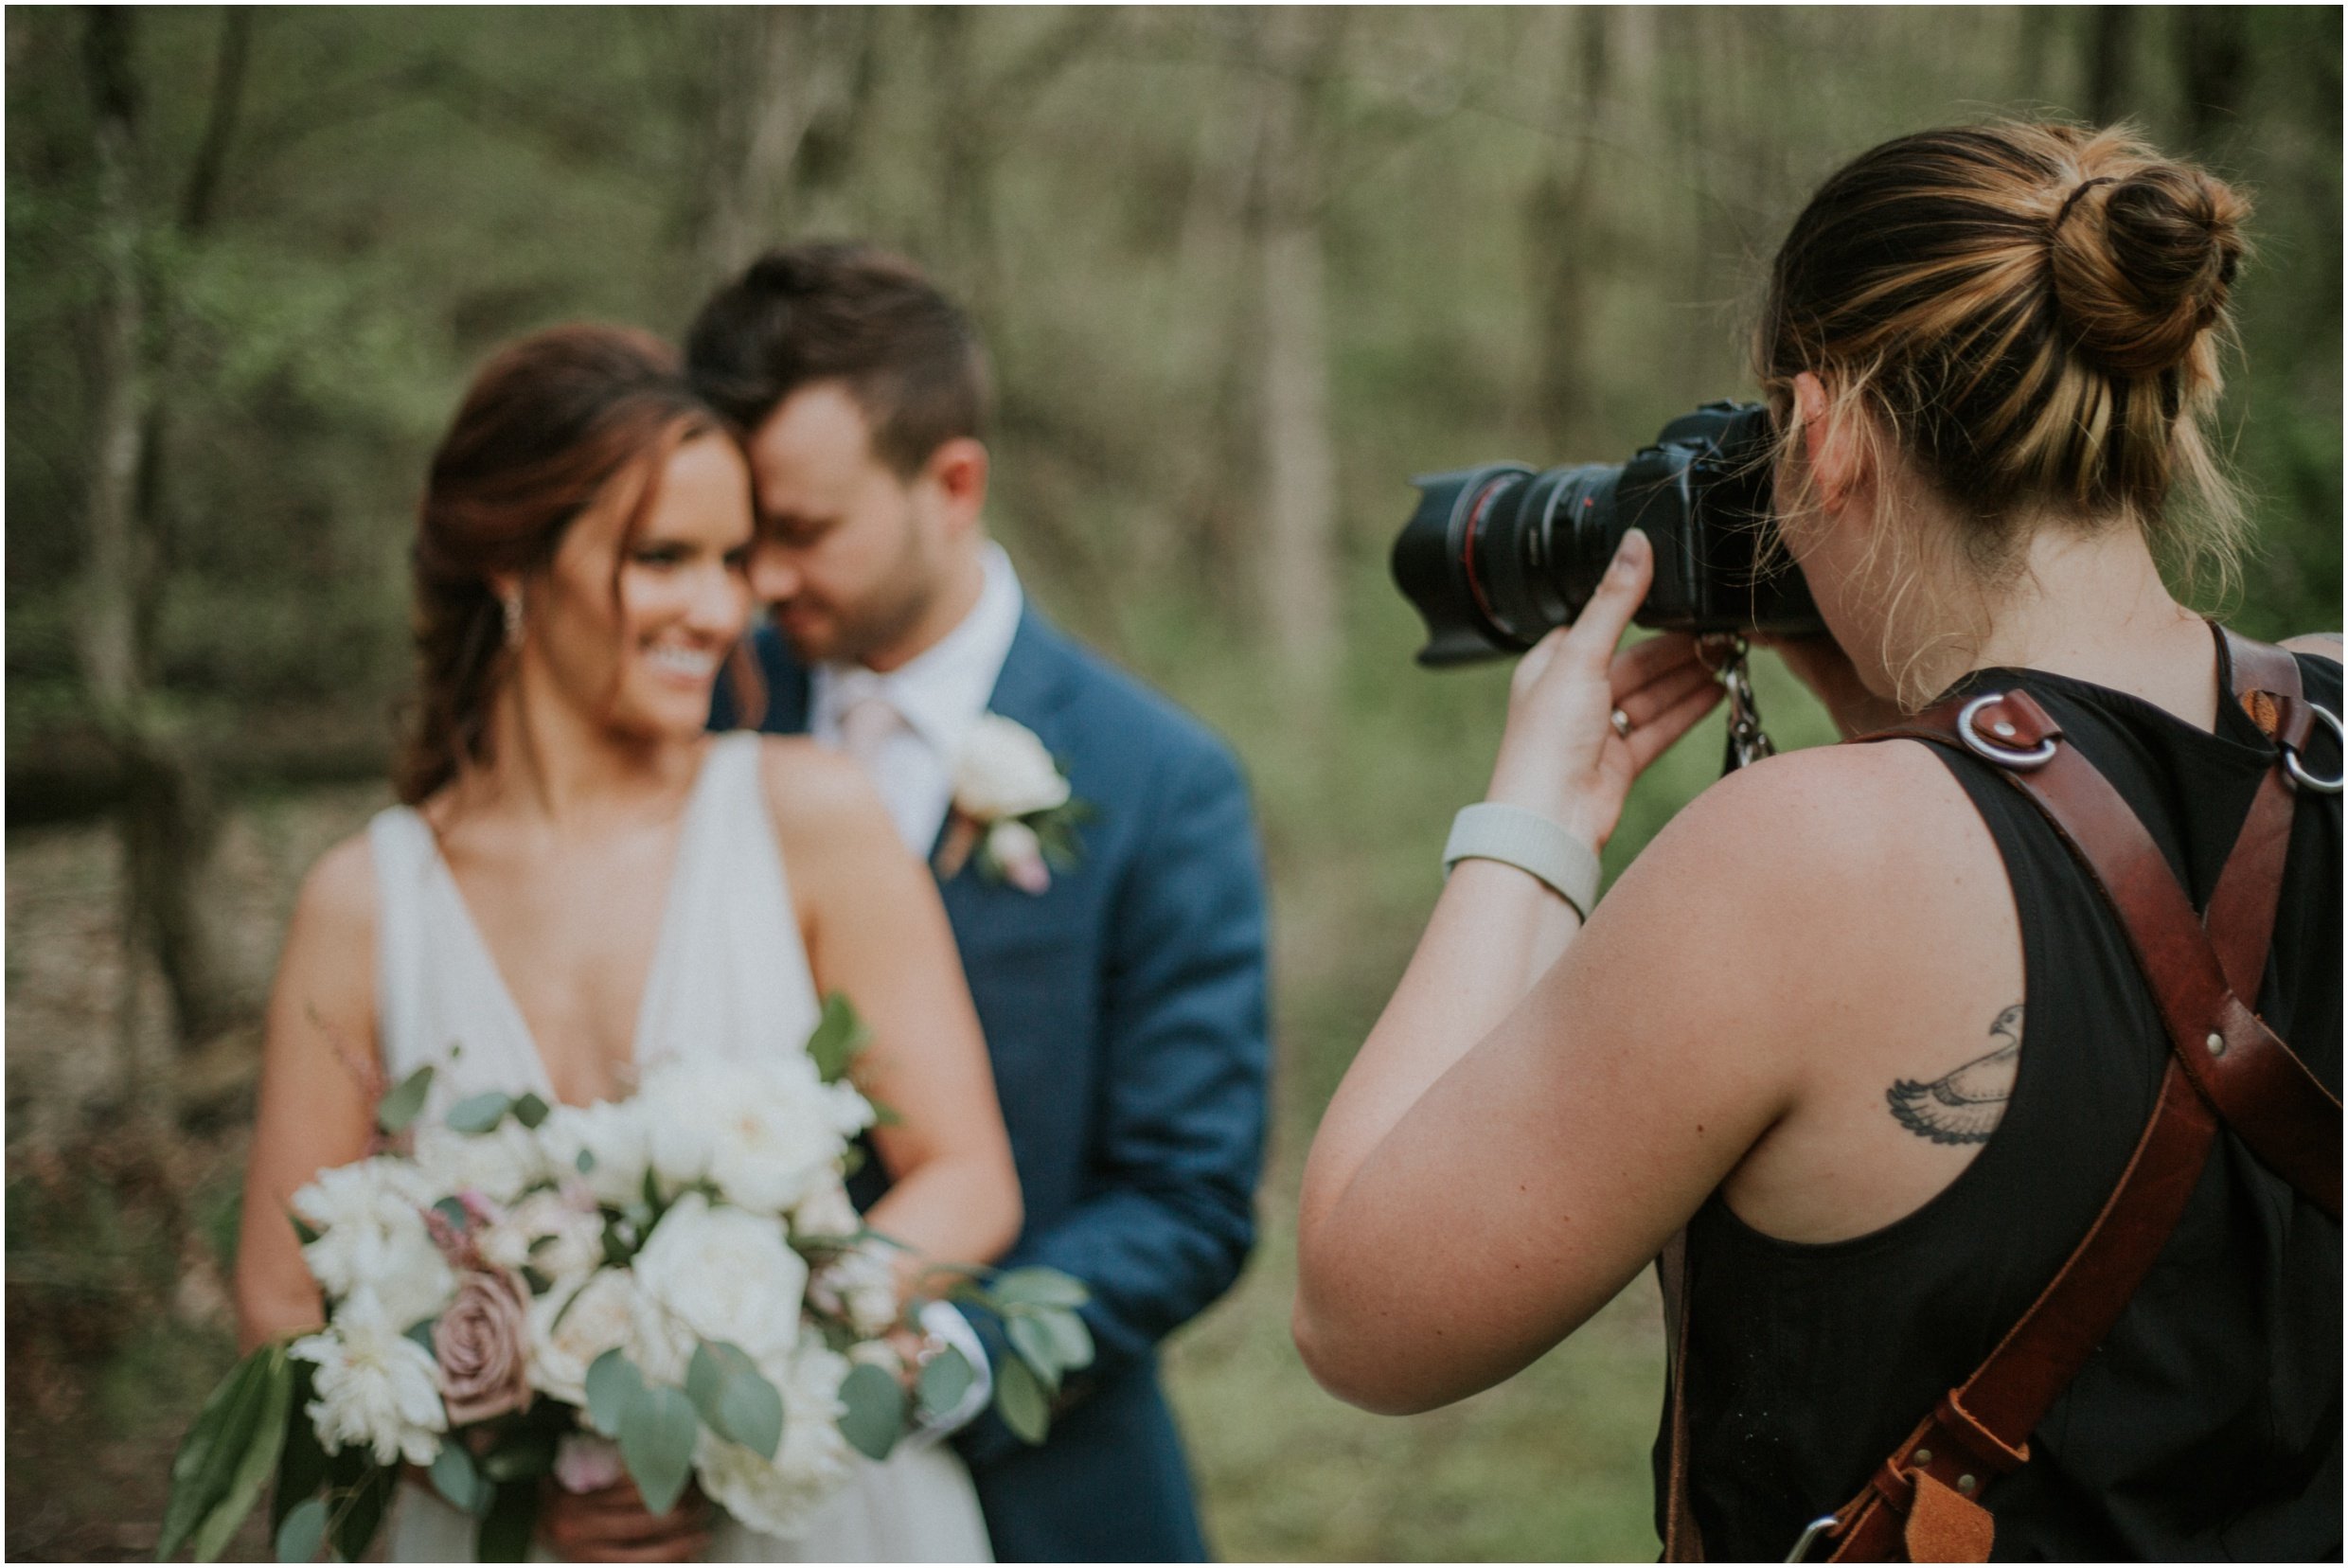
pixel 547 425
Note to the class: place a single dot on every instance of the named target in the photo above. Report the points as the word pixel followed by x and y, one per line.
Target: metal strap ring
pixel 2005 757
pixel 2300 776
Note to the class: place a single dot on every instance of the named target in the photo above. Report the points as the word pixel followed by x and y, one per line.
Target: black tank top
pixel 2207 1425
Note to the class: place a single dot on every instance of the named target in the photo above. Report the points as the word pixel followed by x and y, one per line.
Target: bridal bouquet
pixel 673 1286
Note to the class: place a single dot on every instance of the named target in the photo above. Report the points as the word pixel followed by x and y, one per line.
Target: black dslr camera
pixel 1498 554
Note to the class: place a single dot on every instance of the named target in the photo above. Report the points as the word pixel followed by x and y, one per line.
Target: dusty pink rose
pixel 482 1346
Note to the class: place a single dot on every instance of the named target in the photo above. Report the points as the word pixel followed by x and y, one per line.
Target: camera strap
pixel 1924 1502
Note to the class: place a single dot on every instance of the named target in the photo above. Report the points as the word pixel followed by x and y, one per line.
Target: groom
pixel 1122 995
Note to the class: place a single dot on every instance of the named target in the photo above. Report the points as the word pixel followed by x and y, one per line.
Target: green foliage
pixel 875 1417
pixel 944 1379
pixel 735 1397
pixel 302 1532
pixel 657 1431
pixel 227 1454
pixel 839 1036
pixel 398 1107
pixel 456 1478
pixel 612 1383
pixel 1021 1401
pixel 479 1114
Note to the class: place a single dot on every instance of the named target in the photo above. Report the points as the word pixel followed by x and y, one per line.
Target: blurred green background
pixel 1242 272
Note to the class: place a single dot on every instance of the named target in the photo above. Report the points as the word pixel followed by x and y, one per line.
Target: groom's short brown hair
pixel 841 310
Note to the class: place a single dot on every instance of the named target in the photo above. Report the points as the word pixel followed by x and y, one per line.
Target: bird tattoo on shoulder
pixel 1964 1106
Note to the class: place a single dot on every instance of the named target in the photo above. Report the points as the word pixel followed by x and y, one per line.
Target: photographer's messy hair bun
pixel 2034 310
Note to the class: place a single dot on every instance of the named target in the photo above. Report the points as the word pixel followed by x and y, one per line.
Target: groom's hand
pixel 610 1525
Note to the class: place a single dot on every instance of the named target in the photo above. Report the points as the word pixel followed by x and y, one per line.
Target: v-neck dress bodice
pixel 729 977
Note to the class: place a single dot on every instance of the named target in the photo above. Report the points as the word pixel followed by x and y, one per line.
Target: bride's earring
pixel 513 616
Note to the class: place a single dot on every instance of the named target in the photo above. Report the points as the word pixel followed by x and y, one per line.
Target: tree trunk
pixel 2111 38
pixel 1297 586
pixel 167 823
pixel 1566 235
pixel 781 69
pixel 2214 60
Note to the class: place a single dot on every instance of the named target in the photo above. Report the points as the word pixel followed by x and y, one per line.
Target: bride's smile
pixel 630 621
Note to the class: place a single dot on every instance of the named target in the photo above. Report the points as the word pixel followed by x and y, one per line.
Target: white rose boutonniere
pixel 1012 808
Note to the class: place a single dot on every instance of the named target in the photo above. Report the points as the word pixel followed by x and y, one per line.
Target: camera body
pixel 1496 555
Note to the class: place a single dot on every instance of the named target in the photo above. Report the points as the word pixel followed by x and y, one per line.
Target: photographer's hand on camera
pixel 1565 753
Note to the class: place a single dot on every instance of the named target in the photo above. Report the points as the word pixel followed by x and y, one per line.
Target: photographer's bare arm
pixel 1518 1136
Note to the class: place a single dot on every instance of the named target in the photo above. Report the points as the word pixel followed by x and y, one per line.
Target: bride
pixel 580 882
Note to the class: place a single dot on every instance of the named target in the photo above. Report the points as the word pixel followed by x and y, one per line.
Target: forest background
pixel 1243 273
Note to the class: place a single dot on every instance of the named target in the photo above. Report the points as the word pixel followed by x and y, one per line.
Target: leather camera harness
pixel 1924 1502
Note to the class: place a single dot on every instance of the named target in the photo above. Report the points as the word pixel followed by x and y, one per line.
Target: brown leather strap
pixel 1923 1501
pixel 1682 1540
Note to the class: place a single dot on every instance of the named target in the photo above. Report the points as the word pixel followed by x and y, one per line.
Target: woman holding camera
pixel 1860 1023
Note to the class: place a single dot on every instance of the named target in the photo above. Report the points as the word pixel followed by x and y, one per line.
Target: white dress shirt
pixel 940 694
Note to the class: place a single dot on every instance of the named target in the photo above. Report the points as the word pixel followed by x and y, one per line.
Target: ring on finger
pixel 1621 722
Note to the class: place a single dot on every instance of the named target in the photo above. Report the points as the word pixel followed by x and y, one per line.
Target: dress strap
pixel 401 846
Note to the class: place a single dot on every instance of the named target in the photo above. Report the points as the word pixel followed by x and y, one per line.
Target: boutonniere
pixel 1011 809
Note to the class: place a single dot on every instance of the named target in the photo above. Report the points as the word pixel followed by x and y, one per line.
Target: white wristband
pixel 1529 842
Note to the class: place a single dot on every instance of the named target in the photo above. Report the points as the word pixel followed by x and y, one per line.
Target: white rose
pixel 780 1135
pixel 1005 772
pixel 725 1275
pixel 375 1387
pixel 497 1163
pixel 569 1329
pixel 827 1212
pixel 860 1288
pixel 680 1103
pixel 777 1498
pixel 559 1235
pixel 611 1135
pixel 372 1240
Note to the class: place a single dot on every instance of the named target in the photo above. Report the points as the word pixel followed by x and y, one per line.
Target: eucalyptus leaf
pixel 530 1111
pixel 735 1397
pixel 586 1161
pixel 840 1034
pixel 452 1210
pixel 479 1114
pixel 422 1331
pixel 258 1460
pixel 876 1411
pixel 946 1379
pixel 1038 1286
pixel 1071 1340
pixel 303 1532
pixel 1036 1348
pixel 656 1436
pixel 1020 1401
pixel 454 1478
pixel 612 1381
pixel 395 1109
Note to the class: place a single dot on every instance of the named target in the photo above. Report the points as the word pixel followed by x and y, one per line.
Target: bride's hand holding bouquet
pixel 670 1291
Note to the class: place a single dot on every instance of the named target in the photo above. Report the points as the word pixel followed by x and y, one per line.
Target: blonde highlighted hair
pixel 2034 313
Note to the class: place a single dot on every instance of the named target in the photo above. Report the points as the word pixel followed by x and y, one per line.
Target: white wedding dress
pixel 729 976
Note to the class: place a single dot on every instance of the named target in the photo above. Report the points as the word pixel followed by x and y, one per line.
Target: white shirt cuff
pixel 941 1319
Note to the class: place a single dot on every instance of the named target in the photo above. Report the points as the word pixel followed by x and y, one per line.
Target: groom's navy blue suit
pixel 1125 1011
